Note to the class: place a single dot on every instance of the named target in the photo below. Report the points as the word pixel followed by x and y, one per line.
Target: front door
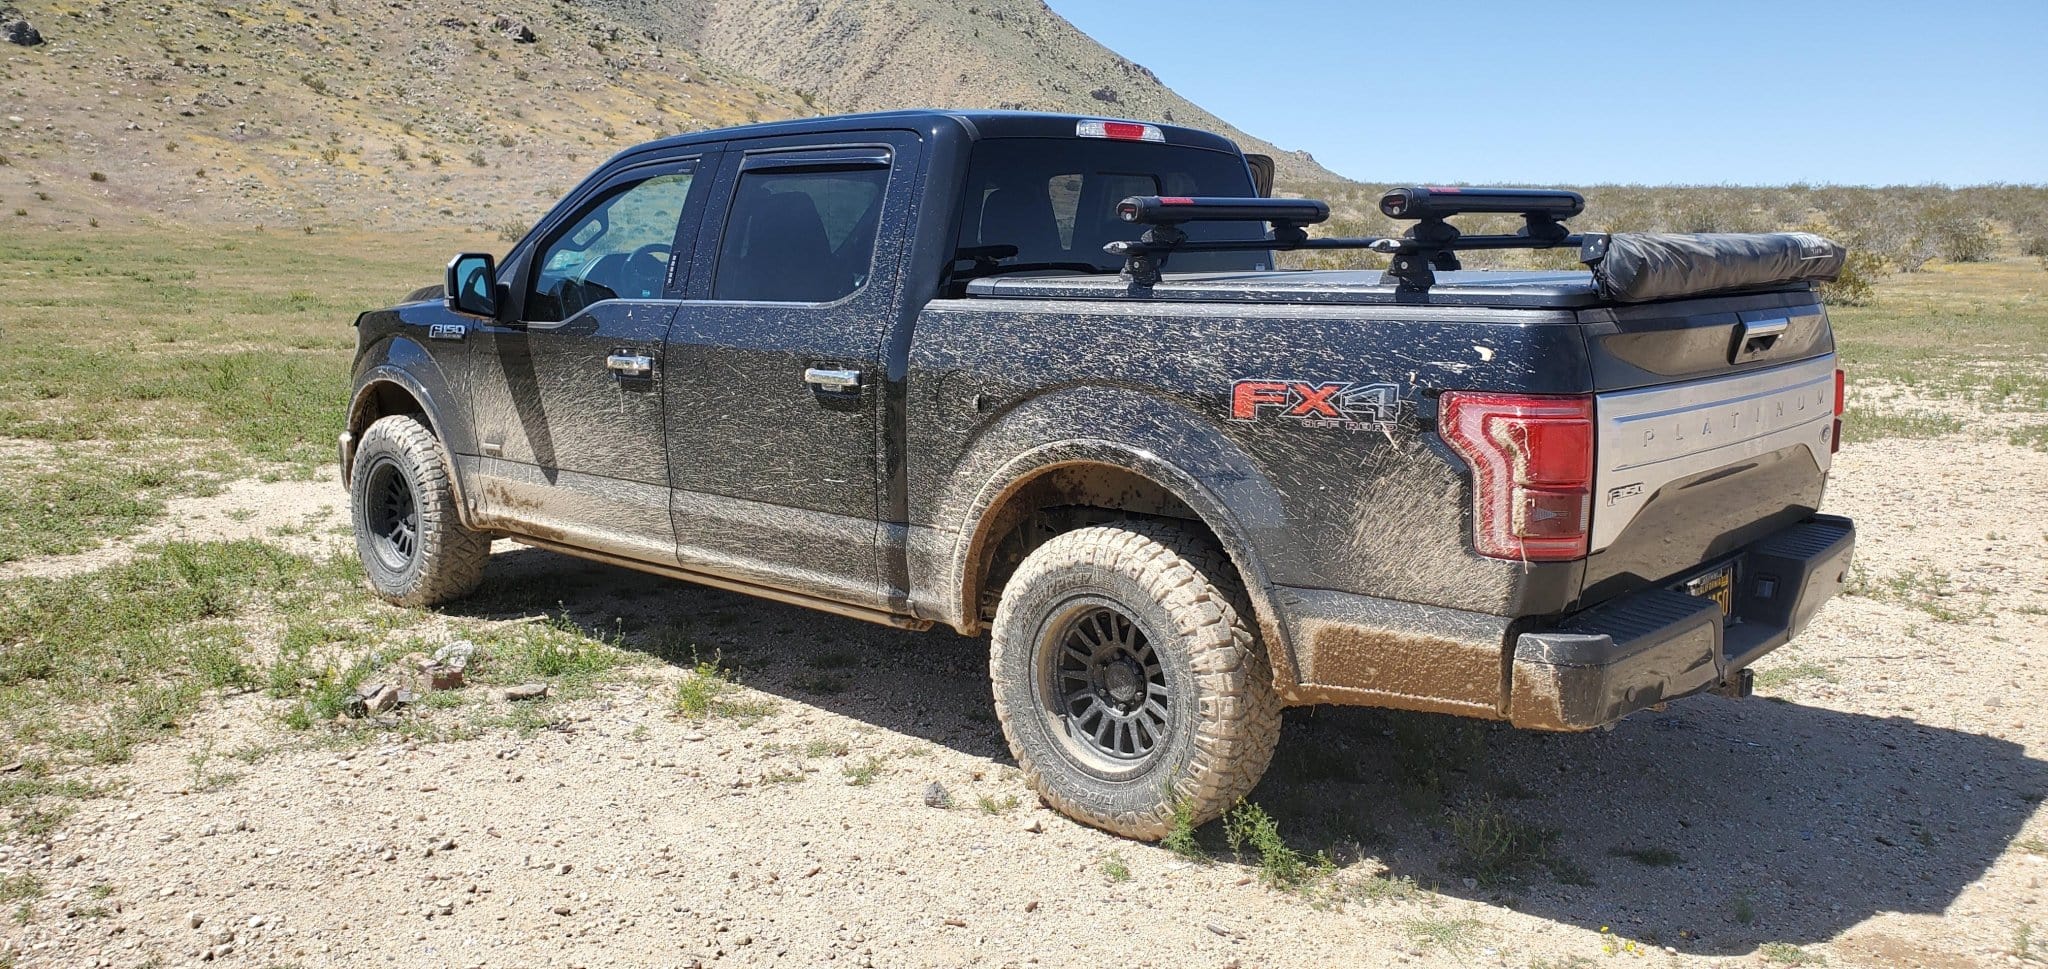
pixel 775 366
pixel 570 422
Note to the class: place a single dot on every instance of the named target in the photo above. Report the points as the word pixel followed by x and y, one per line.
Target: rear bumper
pixel 1597 666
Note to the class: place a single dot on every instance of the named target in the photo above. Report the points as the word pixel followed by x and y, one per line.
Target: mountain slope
pixel 396 113
pixel 870 55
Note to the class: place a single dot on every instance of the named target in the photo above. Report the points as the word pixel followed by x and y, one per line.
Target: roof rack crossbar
pixel 1415 257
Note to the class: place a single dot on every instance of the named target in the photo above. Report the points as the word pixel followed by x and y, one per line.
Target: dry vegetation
pixel 1889 230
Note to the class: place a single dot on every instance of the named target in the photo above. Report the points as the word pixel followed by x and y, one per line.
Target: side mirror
pixel 1262 173
pixel 473 285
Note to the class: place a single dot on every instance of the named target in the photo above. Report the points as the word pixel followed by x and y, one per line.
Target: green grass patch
pixel 863 773
pixel 1496 848
pixel 708 690
pixel 1924 588
pixel 1861 424
pixel 66 503
pixel 1247 828
pixel 1778 676
pixel 1115 867
pixel 2034 436
pixel 1787 954
pixel 135 336
pixel 1453 935
pixel 21 887
pixel 126 650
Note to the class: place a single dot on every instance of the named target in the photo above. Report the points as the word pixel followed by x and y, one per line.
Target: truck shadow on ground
pixel 1711 828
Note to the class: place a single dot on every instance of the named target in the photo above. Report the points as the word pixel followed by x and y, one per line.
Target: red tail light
pixel 1532 471
pixel 1841 404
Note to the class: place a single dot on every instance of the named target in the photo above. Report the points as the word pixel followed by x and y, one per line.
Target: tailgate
pixel 1714 425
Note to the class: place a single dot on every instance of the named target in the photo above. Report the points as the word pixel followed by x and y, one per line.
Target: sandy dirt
pixel 297 515
pixel 1874 807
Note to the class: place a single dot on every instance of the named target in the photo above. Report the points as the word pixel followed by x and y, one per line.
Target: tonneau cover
pixel 1539 289
pixel 1638 267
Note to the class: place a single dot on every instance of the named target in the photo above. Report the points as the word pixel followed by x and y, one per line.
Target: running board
pixel 741 586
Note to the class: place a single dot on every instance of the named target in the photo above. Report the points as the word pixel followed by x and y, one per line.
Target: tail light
pixel 1841 402
pixel 1532 471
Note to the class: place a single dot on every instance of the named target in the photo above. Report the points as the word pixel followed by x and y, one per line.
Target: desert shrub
pixel 2036 246
pixel 1957 234
pixel 1857 283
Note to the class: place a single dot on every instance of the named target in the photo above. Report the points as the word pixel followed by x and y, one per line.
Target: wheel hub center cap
pixel 1122 681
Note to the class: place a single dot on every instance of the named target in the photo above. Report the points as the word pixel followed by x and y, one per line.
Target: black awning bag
pixel 1638 267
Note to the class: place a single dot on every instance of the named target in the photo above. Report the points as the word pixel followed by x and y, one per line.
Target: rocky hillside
pixel 325 113
pixel 870 55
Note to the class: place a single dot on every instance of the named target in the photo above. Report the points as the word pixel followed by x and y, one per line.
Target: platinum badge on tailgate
pixel 1657 435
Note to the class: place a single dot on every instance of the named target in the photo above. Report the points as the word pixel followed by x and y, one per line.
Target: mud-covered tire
pixel 409 533
pixel 1221 716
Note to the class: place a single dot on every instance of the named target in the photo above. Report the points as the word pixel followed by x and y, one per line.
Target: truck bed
pixel 1549 289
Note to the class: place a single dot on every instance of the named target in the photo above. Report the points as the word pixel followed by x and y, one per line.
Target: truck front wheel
pixel 409 533
pixel 1128 679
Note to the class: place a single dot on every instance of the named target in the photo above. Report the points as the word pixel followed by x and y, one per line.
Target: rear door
pixel 570 422
pixel 775 392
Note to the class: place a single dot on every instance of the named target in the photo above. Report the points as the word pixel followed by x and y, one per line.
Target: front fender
pixel 402 362
pixel 1167 444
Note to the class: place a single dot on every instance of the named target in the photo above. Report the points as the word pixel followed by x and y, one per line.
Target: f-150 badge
pixel 1338 404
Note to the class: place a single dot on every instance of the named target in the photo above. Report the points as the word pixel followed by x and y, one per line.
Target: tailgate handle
pixel 1756 336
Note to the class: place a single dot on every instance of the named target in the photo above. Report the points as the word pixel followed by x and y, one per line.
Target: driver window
pixel 619 248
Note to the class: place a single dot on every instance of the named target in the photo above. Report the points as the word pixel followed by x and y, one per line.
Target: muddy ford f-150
pixel 1039 377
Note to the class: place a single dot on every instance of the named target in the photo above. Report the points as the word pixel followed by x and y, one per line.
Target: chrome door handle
pixel 832 379
pixel 630 364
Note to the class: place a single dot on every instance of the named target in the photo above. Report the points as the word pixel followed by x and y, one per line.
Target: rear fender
pixel 1168 445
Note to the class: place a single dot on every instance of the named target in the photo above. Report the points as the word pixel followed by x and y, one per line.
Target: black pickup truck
pixel 1039 377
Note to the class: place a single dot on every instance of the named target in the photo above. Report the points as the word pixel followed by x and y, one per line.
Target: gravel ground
pixel 1878 804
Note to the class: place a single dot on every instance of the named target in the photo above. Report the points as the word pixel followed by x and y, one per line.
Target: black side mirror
pixel 473 285
pixel 1262 173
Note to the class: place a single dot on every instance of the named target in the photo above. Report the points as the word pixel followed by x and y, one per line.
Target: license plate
pixel 1718 585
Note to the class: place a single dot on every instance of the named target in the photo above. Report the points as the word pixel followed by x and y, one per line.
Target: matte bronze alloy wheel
pixel 1127 678
pixel 409 533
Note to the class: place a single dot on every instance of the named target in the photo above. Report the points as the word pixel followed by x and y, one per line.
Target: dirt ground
pixel 1878 804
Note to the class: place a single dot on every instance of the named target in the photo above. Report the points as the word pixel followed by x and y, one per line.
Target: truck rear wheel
pixel 409 533
pixel 1128 679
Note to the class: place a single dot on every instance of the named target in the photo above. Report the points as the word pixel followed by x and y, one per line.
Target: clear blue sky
pixel 1648 91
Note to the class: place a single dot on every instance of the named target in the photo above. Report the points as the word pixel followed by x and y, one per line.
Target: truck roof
pixel 973 124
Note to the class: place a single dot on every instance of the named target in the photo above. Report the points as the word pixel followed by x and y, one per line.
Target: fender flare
pixel 403 363
pixel 1193 461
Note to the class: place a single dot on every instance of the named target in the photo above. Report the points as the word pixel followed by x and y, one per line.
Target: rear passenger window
pixel 804 236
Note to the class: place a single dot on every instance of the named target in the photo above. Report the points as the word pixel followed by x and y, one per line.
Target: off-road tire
pixel 445 560
pixel 1222 716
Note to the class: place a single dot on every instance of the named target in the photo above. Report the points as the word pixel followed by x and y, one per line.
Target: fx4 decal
pixel 1338 404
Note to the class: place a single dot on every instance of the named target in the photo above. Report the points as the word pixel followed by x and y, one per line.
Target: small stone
pixel 20 32
pixel 444 678
pixel 1032 825
pixel 936 796
pixel 529 691
pixel 957 923
pixel 563 910
pixel 196 919
pixel 456 654
pixel 1031 906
